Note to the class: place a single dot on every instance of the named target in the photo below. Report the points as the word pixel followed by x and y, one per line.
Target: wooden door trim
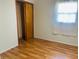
pixel 24 2
pixel 32 21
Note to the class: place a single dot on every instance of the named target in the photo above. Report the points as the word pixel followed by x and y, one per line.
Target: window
pixel 67 12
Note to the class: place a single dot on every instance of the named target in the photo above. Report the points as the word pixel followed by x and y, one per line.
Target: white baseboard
pixel 8 49
pixel 64 40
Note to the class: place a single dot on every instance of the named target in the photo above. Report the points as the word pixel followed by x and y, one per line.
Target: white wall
pixel 32 1
pixel 8 28
pixel 43 23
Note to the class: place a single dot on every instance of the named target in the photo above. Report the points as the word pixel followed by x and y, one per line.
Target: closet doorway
pixel 24 12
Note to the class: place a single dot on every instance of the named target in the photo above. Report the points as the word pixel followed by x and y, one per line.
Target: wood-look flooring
pixel 41 49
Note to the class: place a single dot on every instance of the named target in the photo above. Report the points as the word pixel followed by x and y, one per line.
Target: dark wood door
pixel 28 18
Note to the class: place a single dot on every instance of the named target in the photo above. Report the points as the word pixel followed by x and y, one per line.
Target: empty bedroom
pixel 38 29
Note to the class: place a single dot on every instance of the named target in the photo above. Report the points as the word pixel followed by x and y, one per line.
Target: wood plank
pixel 41 49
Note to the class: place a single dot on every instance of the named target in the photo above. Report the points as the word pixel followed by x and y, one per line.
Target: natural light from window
pixel 67 12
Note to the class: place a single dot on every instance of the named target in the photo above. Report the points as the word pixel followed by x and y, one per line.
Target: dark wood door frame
pixel 17 18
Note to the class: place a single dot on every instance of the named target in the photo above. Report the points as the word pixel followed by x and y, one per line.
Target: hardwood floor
pixel 41 49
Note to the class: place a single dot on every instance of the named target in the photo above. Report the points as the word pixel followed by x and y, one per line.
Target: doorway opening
pixel 24 11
